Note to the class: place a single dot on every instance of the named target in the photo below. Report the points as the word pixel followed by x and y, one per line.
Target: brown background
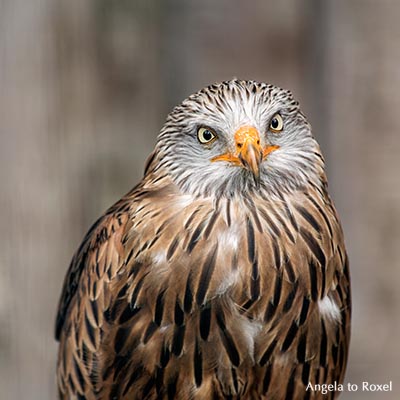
pixel 84 89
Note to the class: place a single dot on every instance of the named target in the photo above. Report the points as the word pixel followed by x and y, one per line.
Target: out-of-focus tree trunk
pixel 363 102
pixel 30 197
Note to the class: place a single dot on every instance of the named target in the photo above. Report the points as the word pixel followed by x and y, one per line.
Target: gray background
pixel 84 88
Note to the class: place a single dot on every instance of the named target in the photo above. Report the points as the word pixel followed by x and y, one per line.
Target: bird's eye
pixel 206 135
pixel 276 124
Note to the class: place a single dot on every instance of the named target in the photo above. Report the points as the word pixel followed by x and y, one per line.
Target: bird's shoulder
pixel 101 252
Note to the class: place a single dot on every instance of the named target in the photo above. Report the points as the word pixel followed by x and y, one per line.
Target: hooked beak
pixel 248 150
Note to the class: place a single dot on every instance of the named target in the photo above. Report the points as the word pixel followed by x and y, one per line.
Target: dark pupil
pixel 207 135
pixel 274 123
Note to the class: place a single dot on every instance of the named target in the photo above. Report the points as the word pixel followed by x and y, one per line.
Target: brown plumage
pixel 217 276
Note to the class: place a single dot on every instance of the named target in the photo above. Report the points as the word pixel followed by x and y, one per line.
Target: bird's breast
pixel 196 251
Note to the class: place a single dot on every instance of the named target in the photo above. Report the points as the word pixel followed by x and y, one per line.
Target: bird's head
pixel 239 136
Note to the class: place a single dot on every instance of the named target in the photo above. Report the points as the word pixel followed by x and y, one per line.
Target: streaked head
pixel 239 136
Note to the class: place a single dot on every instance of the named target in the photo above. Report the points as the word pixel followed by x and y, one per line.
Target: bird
pixel 223 273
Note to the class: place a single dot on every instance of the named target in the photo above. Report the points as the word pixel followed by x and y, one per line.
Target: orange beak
pixel 249 152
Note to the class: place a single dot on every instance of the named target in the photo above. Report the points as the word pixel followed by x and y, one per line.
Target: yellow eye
pixel 206 135
pixel 276 124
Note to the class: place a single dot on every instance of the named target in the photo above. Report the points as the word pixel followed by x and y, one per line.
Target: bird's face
pixel 239 136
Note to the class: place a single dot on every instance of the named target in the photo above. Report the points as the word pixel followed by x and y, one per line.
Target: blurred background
pixel 84 89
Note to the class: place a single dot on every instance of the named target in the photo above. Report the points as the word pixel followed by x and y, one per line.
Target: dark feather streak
pixel 305 375
pixel 129 256
pixel 270 223
pixel 304 310
pixel 198 365
pixel 267 378
pixel 122 292
pixel 228 212
pixel 171 388
pixel 342 356
pixel 267 354
pixel 334 352
pixel 79 375
pixel 228 341
pixel 205 321
pixel 285 227
pixel 255 282
pixel 277 254
pixel 301 348
pixel 178 314
pixel 121 338
pixel 250 241
pixel 151 328
pixel 290 271
pixel 291 386
pixel 253 210
pixel 277 289
pixel 136 291
pixel 323 279
pixel 159 380
pixel 135 375
pixel 164 356
pixel 205 277
pixel 291 218
pixel 147 388
pixel 190 219
pixel 322 212
pixel 291 334
pixel 90 331
pixel 235 380
pixel 195 238
pixel 159 309
pixel 95 311
pixel 172 248
pixel 211 223
pixel 290 298
pixel 128 313
pixel 309 218
pixel 323 346
pixel 188 299
pixel 314 247
pixel 313 280
pixel 177 340
pixel 270 311
pixel 120 364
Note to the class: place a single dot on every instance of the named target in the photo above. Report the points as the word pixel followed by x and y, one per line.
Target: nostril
pixel 240 145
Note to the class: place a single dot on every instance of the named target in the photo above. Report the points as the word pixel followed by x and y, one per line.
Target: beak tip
pixel 251 160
